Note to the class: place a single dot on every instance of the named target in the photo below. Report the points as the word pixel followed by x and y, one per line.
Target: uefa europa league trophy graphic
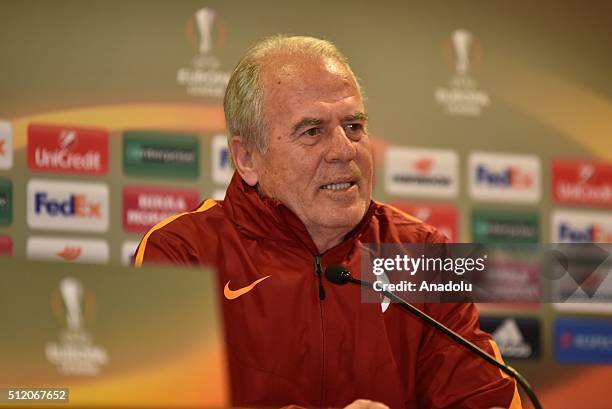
pixel 72 293
pixel 204 19
pixel 462 41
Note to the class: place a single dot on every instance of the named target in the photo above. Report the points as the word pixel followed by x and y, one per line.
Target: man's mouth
pixel 338 186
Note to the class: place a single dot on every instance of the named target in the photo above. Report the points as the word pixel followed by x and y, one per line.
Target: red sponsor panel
pixel 442 216
pixel 582 182
pixel 67 149
pixel 6 246
pixel 145 206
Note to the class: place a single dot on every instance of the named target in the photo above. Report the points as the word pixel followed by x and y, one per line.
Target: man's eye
pixel 353 128
pixel 312 132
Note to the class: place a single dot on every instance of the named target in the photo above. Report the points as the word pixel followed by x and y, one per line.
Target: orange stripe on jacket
pixel 403 213
pixel 141 248
pixel 516 398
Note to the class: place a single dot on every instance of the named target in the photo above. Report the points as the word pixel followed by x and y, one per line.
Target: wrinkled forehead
pixel 300 73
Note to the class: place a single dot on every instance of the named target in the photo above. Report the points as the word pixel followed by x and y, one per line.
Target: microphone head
pixel 337 274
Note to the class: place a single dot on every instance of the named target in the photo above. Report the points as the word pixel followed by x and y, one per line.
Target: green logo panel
pixel 6 202
pixel 504 227
pixel 165 155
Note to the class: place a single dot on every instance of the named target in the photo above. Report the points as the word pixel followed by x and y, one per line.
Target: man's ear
pixel 243 159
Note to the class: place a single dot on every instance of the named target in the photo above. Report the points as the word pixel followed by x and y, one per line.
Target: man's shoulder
pixel 209 211
pixel 173 240
pixel 406 227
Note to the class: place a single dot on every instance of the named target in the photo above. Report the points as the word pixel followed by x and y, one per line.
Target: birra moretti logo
pixel 143 207
pixel 75 353
pixel 462 96
pixel 57 205
pixel 53 148
pixel 206 31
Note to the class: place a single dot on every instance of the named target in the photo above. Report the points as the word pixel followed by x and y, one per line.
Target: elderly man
pixel 300 200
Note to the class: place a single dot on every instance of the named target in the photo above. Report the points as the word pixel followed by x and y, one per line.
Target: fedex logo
pixel 222 169
pixel 510 177
pixel 70 206
pixel 581 227
pixel 593 233
pixel 504 177
pixel 74 205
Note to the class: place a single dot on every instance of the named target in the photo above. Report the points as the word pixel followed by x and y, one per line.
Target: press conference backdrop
pixel 490 121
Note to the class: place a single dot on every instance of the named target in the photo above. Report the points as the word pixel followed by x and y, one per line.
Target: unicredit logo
pixel 511 176
pixel 64 159
pixel 67 150
pixel 75 205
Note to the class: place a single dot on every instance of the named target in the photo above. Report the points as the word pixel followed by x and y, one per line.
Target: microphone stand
pixel 344 277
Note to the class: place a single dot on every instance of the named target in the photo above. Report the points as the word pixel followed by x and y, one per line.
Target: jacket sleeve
pixel 450 376
pixel 161 247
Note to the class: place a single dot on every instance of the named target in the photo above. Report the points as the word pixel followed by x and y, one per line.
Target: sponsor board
pixel 443 217
pixel 145 206
pixel 517 338
pixel 504 227
pixel 504 177
pixel 580 277
pixel 128 250
pixel 165 155
pixel 206 31
pixel 75 353
pixel 586 341
pixel 421 172
pixel 6 202
pixel 569 226
pixel 222 169
pixel 78 250
pixel 462 94
pixel 70 206
pixel 6 145
pixel 6 245
pixel 67 149
pixel 582 182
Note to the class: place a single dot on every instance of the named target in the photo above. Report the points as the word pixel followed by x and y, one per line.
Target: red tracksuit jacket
pixel 289 341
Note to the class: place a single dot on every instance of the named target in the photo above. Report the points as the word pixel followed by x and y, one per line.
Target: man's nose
pixel 341 147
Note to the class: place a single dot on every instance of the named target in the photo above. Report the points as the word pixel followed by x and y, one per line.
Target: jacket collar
pixel 266 218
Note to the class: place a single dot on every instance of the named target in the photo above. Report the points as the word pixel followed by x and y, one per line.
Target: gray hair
pixel 244 93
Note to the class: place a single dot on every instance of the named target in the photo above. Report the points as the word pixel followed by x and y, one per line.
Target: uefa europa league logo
pixel 462 42
pixel 204 19
pixel 72 294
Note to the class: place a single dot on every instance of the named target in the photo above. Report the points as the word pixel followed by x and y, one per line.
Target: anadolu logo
pixel 206 32
pixel 511 177
pixel 74 306
pixel 463 53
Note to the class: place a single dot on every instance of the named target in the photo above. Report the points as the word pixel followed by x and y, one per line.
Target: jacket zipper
pixel 319 273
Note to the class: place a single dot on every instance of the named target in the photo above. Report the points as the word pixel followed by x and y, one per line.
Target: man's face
pixel 319 159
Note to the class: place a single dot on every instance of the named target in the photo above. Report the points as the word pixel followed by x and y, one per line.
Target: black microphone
pixel 337 274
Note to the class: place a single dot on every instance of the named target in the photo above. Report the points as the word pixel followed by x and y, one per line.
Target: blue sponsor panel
pixel 587 341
